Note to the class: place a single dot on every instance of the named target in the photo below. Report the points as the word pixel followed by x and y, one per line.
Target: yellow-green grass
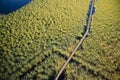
pixel 100 57
pixel 37 39
pixel 29 36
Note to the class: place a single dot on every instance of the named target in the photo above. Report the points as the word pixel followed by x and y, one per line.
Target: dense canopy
pixel 37 39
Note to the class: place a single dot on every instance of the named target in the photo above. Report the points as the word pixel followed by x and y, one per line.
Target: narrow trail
pixel 81 41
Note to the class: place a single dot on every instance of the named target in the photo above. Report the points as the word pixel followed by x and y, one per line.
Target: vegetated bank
pixel 34 40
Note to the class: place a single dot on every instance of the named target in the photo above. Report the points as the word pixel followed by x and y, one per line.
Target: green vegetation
pixel 37 39
pixel 33 33
pixel 100 57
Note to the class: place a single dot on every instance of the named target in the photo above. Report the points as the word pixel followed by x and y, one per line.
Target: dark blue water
pixel 8 6
pixel 93 10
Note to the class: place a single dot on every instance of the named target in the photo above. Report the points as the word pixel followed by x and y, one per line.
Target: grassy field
pixel 37 39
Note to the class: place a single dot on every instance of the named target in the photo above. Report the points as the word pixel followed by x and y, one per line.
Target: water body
pixel 93 10
pixel 8 6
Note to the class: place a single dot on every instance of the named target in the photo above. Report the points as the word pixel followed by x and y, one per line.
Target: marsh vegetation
pixel 37 39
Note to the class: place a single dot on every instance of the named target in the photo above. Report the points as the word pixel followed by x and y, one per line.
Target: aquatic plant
pixel 29 36
pixel 100 55
pixel 37 39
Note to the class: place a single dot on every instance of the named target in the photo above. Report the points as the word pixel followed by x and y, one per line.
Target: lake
pixel 8 6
